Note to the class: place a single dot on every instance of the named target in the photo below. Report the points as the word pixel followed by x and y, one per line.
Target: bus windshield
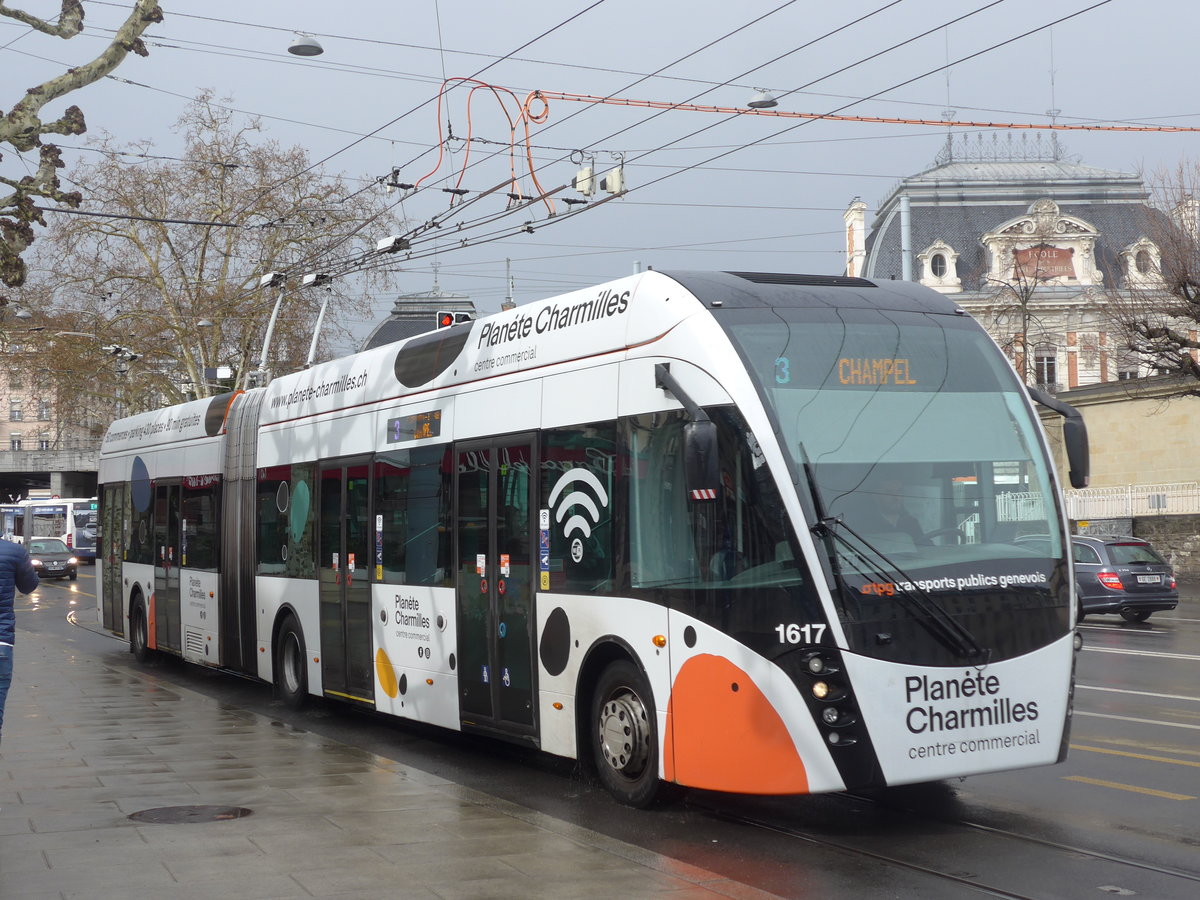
pixel 912 439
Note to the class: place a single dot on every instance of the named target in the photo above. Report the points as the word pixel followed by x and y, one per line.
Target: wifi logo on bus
pixel 577 497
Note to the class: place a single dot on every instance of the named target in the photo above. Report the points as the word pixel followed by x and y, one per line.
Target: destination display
pixel 415 427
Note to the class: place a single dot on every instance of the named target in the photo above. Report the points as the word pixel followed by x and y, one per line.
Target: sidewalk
pixel 86 745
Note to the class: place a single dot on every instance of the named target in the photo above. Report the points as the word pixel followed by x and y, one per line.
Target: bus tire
pixel 624 735
pixel 139 631
pixel 291 669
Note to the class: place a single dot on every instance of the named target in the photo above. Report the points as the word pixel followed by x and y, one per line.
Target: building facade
pixel 1029 242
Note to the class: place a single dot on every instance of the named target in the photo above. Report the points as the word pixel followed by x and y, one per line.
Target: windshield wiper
pixel 933 616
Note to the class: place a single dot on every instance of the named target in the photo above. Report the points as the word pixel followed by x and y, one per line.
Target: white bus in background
pixel 652 525
pixel 73 520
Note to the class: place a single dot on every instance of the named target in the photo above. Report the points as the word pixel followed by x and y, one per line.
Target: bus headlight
pixel 830 715
pixel 820 690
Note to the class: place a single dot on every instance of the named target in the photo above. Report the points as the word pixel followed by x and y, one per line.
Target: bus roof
pixel 606 319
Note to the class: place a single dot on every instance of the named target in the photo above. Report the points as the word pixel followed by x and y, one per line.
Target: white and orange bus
pixel 738 531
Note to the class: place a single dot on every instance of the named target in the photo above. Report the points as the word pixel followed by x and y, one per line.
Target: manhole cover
pixel 180 815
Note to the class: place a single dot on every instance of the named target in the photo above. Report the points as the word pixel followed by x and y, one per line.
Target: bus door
pixel 495 554
pixel 344 558
pixel 111 540
pixel 166 566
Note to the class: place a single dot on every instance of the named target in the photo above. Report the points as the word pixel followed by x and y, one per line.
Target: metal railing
pixel 1173 499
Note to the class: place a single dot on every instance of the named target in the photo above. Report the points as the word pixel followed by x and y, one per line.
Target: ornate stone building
pixel 1027 241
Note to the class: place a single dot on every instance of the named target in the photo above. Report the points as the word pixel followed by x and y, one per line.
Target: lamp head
pixel 305 45
pixel 762 99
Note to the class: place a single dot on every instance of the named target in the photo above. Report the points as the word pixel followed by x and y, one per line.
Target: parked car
pixel 1121 575
pixel 52 558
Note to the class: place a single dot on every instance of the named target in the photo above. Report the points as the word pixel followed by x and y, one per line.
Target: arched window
pixel 1144 264
pixel 937 265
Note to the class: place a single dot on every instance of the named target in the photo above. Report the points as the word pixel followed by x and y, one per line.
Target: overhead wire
pixel 689 55
pixel 558 64
pixel 785 54
pixel 864 99
pixel 488 238
pixel 806 45
pixel 893 87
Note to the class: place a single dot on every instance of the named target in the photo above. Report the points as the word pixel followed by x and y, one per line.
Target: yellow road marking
pixel 1146 756
pixel 1115 785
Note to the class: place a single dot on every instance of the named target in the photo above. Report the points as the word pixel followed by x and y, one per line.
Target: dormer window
pixel 939 268
pixel 1142 264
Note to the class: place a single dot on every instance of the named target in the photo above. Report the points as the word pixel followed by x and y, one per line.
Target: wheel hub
pixel 624 734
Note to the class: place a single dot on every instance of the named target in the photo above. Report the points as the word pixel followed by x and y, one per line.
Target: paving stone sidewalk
pixel 86 745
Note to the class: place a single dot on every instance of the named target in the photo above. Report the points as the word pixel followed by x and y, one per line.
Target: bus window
pixel 139 519
pixel 412 506
pixel 741 538
pixel 200 542
pixel 285 521
pixel 578 487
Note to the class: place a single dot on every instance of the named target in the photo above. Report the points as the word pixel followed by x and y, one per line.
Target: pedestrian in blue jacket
pixel 16 571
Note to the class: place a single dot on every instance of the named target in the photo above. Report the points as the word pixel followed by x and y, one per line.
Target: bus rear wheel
pixel 624 735
pixel 291 670
pixel 139 632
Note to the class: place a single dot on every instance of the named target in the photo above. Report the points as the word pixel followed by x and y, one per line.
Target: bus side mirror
pixel 1078 459
pixel 700 459
pixel 1074 436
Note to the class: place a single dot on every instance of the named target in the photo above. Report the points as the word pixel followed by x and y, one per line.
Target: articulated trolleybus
pixel 738 531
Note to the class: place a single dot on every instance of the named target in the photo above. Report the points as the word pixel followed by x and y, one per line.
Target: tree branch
pixel 23 128
pixel 70 19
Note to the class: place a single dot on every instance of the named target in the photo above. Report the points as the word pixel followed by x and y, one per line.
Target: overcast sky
pixel 365 106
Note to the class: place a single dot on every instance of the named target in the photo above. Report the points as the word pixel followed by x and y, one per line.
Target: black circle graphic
pixel 555 646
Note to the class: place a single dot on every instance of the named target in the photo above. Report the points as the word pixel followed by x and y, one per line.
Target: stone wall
pixel 1177 538
pixel 1140 431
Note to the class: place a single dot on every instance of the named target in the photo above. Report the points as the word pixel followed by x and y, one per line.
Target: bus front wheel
pixel 624 735
pixel 291 670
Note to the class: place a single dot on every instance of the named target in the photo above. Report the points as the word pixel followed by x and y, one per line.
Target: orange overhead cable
pixel 525 116
pixel 835 117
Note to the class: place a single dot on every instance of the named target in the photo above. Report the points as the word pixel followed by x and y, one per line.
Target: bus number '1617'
pixel 800 634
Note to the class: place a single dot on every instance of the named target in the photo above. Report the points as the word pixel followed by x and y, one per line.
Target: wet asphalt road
pixel 1120 817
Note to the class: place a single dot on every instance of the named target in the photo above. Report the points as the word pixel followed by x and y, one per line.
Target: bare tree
pixel 172 268
pixel 1155 309
pixel 23 127
pixel 1014 316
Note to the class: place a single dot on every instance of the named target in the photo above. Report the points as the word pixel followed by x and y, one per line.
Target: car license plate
pixel 1149 579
